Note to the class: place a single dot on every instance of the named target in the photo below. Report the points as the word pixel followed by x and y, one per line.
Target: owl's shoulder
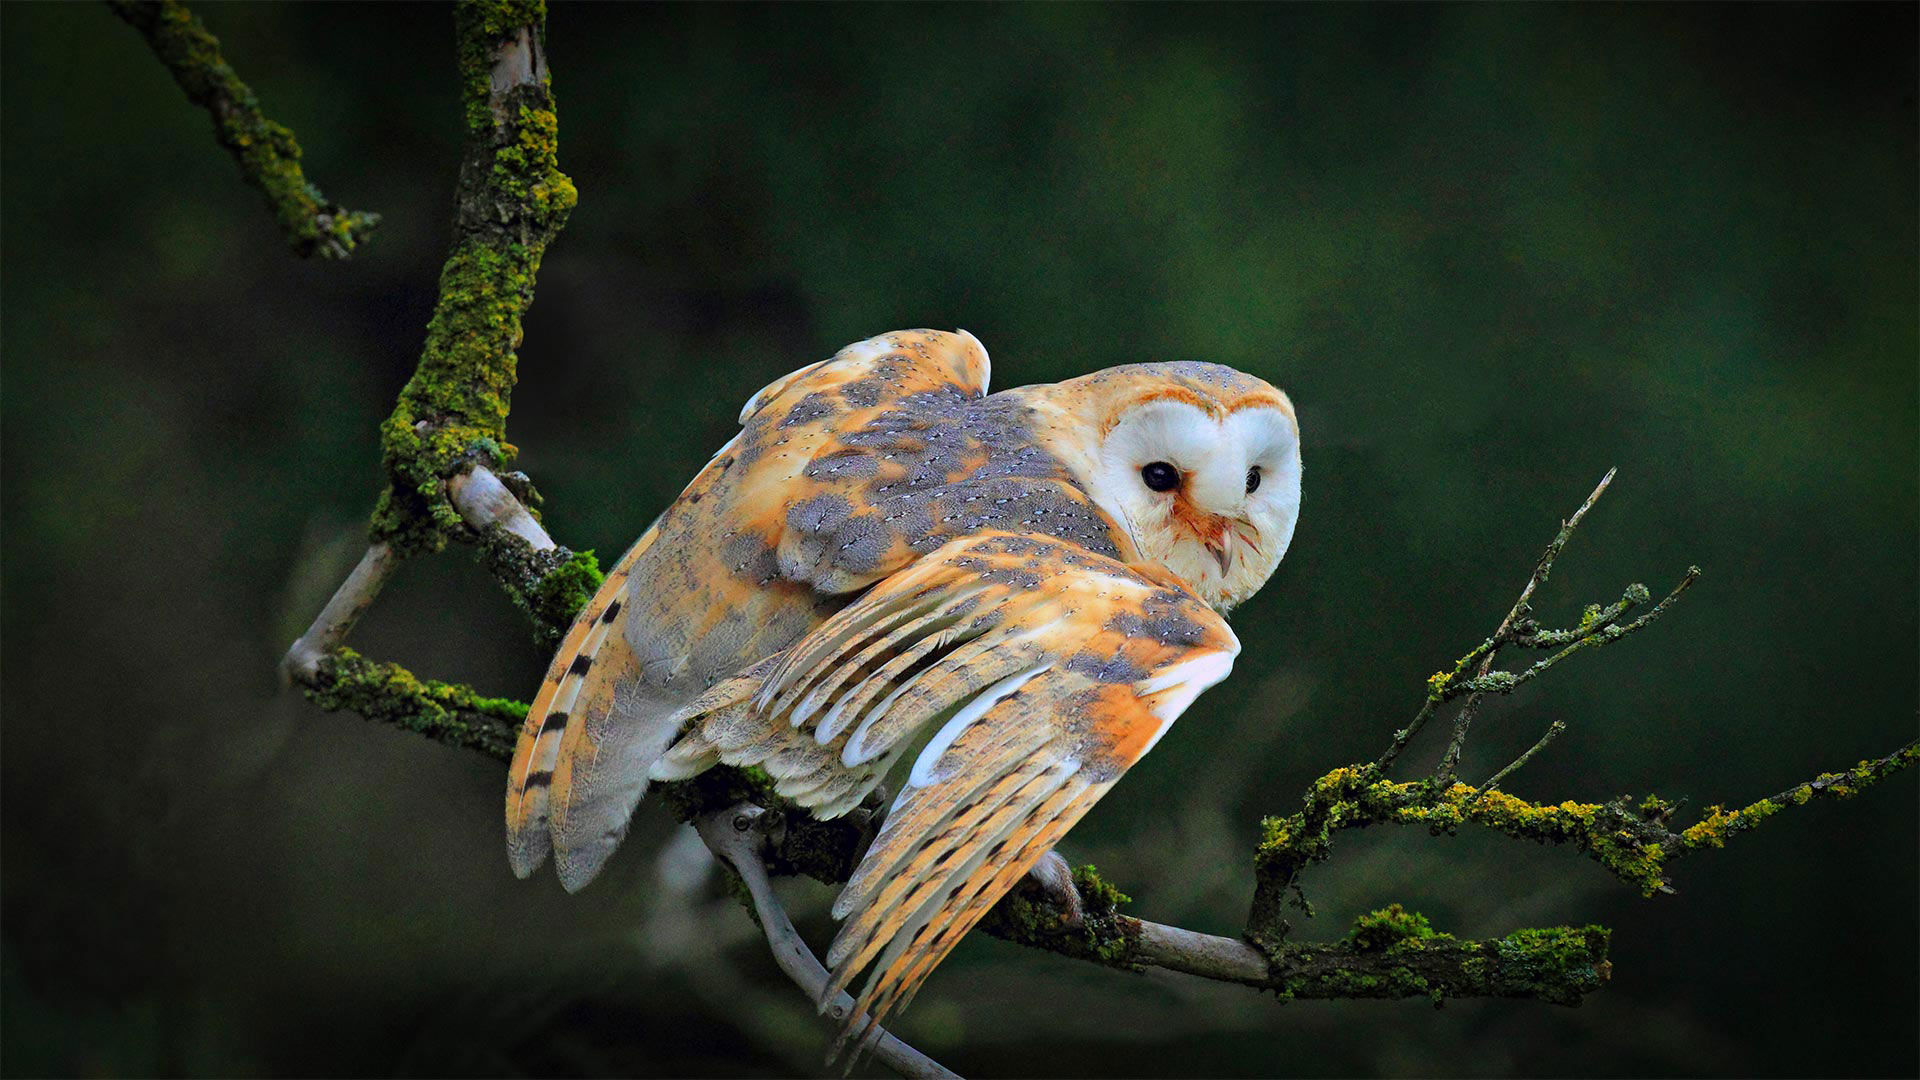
pixel 872 374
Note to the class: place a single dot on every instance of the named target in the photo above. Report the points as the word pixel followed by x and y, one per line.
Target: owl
pixel 1011 596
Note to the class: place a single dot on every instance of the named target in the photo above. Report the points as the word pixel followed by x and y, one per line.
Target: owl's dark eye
pixel 1160 476
pixel 1253 479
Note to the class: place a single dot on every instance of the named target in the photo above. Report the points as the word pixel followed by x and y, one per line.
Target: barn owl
pixel 1013 594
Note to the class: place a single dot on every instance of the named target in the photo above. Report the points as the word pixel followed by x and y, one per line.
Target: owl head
pixel 1199 463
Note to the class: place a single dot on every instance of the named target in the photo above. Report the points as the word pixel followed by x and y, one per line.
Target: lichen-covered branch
pixel 512 201
pixel 1473 675
pixel 1446 685
pixel 390 694
pixel 1632 840
pixel 448 429
pixel 266 152
pixel 1390 953
pixel 1719 823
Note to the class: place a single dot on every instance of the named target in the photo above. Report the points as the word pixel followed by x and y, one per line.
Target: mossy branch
pixel 390 694
pixel 1631 839
pixel 267 153
pixel 1389 953
pixel 511 203
pixel 547 582
pixel 447 432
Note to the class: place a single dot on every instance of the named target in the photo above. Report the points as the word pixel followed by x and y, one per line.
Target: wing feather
pixel 1036 674
pixel 896 983
pixel 676 616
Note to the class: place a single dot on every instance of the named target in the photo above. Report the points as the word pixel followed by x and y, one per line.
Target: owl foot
pixel 1055 879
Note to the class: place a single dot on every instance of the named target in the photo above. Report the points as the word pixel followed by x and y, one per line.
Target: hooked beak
pixel 1221 548
pixel 1223 543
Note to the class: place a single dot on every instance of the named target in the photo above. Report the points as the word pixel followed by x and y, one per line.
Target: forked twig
pixel 1522 609
pixel 736 835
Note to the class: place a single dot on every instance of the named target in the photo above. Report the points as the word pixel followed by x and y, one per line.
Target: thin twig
pixel 1545 566
pixel 1445 686
pixel 1405 735
pixel 1505 682
pixel 736 837
pixel 1463 720
pixel 1592 621
pixel 266 152
pixel 1553 732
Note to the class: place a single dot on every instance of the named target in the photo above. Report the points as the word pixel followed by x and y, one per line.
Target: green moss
pixel 390 694
pixel 1097 895
pixel 1398 981
pixel 1558 964
pixel 1104 935
pixel 1390 925
pixel 560 595
pixel 513 200
pixel 550 587
pixel 1110 935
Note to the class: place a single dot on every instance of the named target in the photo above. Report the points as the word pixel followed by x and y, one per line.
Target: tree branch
pixel 390 694
pixel 1389 953
pixel 1632 841
pixel 737 835
pixel 268 155
pixel 1442 687
pixel 335 621
pixel 511 203
pixel 547 582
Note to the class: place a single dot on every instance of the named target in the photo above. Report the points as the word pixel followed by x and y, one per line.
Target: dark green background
pixel 1490 251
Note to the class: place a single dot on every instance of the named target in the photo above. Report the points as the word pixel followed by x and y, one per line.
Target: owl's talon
pixel 1055 879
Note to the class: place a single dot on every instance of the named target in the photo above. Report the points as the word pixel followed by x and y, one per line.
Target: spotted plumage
pixel 1009 597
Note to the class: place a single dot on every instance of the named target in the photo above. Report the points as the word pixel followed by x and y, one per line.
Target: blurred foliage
pixel 1490 250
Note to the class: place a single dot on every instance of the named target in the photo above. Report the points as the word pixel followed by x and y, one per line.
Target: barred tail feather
pixel 530 776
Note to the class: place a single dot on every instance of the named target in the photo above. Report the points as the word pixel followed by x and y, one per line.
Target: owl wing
pixel 1040 671
pixel 703 592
